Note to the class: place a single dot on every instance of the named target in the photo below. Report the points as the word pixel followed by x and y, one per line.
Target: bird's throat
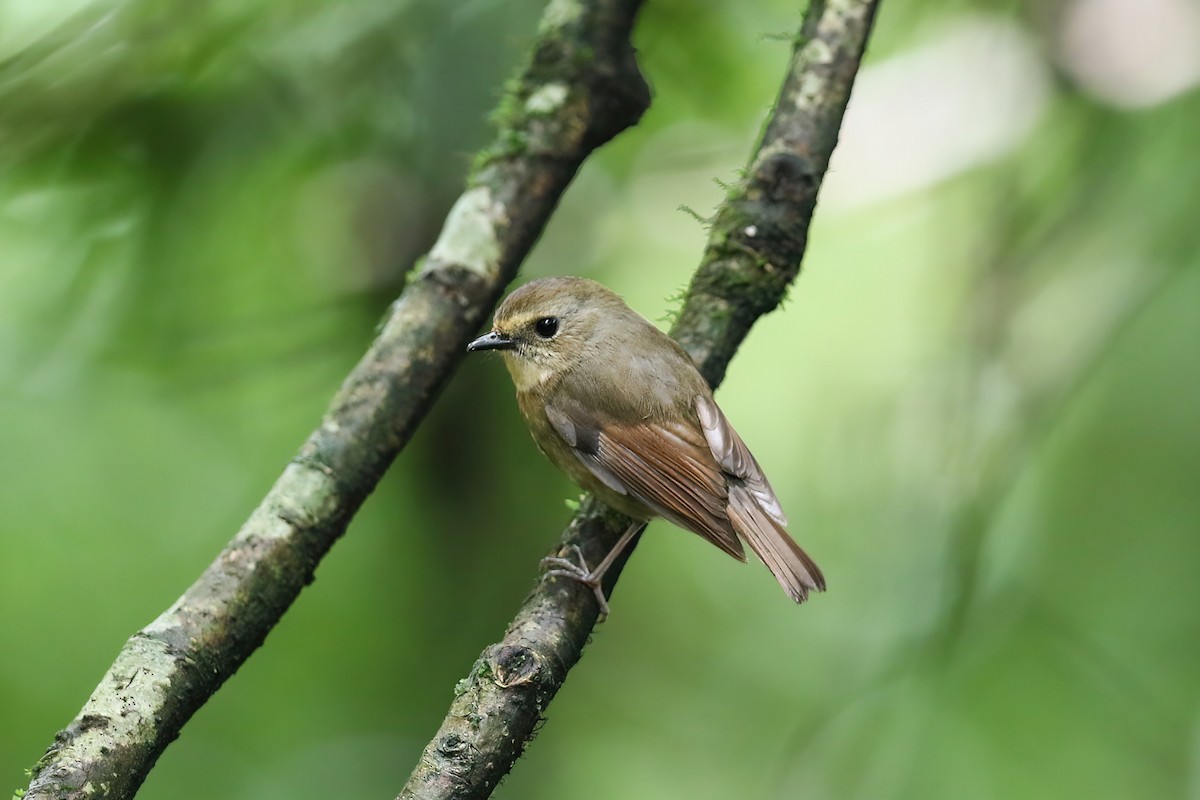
pixel 528 375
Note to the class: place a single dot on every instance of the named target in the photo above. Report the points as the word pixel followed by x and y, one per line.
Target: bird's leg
pixel 579 571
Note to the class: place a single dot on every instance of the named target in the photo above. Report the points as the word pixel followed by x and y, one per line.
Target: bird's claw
pixel 577 571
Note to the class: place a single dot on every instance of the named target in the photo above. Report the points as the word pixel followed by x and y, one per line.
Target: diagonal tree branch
pixel 753 254
pixel 580 88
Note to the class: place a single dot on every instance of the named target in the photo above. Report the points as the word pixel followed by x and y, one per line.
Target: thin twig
pixel 580 88
pixel 754 252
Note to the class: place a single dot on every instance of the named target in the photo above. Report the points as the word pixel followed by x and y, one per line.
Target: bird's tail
pixel 796 572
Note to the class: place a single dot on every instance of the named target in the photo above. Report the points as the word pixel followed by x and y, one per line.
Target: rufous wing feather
pixel 665 465
pixel 701 477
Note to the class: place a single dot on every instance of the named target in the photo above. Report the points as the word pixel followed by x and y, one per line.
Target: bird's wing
pixel 668 466
pixel 735 458
pixel 753 508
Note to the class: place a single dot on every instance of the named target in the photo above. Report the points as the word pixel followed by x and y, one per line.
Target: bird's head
pixel 547 327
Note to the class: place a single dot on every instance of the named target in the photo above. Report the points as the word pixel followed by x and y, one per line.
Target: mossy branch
pixel 754 252
pixel 580 87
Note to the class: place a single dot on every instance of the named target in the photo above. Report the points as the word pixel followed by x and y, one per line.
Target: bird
pixel 621 408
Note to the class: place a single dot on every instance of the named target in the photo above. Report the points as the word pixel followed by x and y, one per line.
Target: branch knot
pixel 513 665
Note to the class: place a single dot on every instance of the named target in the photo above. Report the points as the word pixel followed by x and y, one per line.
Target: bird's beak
pixel 492 341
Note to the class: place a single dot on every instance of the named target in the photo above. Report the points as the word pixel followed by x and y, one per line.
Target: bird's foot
pixel 562 567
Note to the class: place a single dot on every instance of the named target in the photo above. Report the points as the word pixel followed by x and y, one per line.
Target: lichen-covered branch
pixel 580 87
pixel 754 252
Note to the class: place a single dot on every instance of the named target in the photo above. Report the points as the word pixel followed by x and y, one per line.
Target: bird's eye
pixel 546 327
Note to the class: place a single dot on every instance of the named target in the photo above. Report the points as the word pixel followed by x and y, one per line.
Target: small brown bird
pixel 619 406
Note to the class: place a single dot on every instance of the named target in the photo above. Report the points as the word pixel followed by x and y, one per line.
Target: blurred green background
pixel 980 406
